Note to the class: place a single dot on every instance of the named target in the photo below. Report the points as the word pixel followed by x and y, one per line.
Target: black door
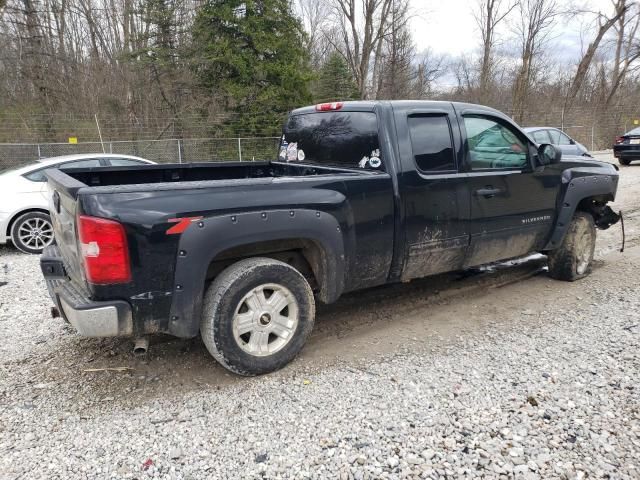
pixel 512 203
pixel 435 196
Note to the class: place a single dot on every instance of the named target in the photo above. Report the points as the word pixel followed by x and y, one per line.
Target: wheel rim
pixel 265 320
pixel 583 254
pixel 35 233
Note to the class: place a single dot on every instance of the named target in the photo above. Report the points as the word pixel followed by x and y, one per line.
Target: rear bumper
pixel 90 318
pixel 627 151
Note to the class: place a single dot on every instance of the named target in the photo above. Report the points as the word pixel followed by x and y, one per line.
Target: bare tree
pixel 314 15
pixel 464 72
pixel 394 70
pixel 488 15
pixel 430 68
pixel 362 30
pixel 533 27
pixel 627 50
pixel 604 25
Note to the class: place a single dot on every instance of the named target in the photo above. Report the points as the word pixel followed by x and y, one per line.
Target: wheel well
pixel 306 256
pixel 22 212
pixel 593 205
pixel 602 214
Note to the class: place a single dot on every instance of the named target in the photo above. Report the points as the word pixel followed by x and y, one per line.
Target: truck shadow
pixel 361 325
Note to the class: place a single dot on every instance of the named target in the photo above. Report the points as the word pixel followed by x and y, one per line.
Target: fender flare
pixel 577 189
pixel 207 238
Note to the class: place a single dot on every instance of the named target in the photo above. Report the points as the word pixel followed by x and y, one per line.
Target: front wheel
pixel 624 161
pixel 573 259
pixel 31 232
pixel 257 316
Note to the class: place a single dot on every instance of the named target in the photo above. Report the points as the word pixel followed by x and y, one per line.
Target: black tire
pixel 37 222
pixel 574 258
pixel 233 294
pixel 624 161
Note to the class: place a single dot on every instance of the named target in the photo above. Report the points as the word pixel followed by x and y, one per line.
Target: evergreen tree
pixel 250 55
pixel 335 81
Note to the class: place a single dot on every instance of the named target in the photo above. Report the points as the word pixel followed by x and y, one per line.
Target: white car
pixel 24 209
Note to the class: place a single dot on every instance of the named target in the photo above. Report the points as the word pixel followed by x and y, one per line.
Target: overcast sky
pixel 448 26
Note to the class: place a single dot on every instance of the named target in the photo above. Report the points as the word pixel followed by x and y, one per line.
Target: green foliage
pixel 335 81
pixel 250 55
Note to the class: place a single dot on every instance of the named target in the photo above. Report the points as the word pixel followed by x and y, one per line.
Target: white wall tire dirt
pixel 257 316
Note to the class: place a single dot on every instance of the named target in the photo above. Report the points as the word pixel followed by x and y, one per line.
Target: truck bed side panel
pixel 356 230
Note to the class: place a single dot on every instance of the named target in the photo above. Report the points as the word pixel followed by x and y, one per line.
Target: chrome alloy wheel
pixel 36 233
pixel 265 320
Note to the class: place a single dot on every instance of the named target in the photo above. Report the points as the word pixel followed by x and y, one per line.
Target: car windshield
pixel 342 139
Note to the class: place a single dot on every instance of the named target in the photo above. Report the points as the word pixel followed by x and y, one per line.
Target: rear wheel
pixel 257 316
pixel 574 258
pixel 624 161
pixel 31 232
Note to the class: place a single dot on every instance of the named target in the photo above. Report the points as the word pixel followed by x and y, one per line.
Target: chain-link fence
pixel 161 151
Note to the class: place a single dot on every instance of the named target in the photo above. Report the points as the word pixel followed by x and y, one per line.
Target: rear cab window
pixel 334 139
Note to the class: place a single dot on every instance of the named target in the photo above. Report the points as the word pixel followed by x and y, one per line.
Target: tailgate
pixel 63 205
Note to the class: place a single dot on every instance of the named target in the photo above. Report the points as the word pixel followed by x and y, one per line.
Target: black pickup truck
pixel 361 194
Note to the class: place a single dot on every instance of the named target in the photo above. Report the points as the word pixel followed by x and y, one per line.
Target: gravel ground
pixel 498 375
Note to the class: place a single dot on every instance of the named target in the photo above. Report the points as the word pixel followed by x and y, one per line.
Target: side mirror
pixel 548 154
pixel 572 141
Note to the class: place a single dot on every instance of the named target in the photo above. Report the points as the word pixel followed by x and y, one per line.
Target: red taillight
pixel 104 249
pixel 619 140
pixel 327 107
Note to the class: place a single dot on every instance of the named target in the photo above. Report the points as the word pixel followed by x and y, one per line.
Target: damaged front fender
pixel 588 193
pixel 604 216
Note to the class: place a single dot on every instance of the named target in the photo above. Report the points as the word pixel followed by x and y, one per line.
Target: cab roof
pixel 372 105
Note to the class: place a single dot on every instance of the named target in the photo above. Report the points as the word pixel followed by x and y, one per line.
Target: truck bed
pixel 171 174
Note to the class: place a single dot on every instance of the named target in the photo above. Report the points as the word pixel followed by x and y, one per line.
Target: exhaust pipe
pixel 141 346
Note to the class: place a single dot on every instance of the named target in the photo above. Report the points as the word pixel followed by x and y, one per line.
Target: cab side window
pixel 541 136
pixel 559 138
pixel 564 140
pixel 493 145
pixel 431 143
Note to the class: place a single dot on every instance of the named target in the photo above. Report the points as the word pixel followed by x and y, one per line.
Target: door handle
pixel 489 192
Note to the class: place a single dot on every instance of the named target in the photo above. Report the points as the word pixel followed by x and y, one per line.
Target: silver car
pixel 559 139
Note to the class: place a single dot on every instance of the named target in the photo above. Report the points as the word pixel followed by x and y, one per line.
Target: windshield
pixel 342 139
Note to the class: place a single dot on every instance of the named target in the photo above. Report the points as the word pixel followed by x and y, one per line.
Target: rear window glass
pixel 37 176
pixel 340 139
pixel 431 143
pixel 635 131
